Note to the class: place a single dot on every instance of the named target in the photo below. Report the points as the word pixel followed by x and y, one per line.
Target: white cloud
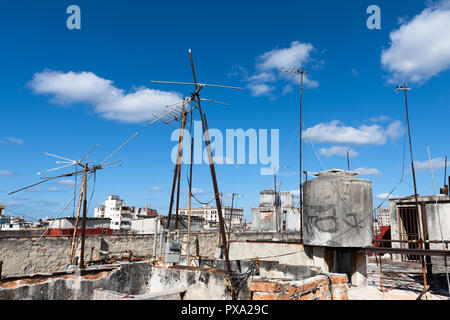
pixel 337 151
pixel 6 173
pixel 420 48
pixel 260 89
pixel 54 189
pixel 68 183
pixel 369 172
pixel 293 57
pixel 194 191
pixel 15 140
pixel 437 164
pixel 157 188
pixel 337 133
pixel 383 196
pixel 381 118
pixel 110 102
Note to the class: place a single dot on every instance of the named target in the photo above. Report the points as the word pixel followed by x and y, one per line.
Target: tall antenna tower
pixel 295 72
pixel 174 115
pixel 405 89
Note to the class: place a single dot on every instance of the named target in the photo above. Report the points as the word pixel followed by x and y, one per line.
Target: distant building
pixel 13 224
pixel 120 214
pixel 264 217
pixel 66 226
pixel 2 208
pixel 384 217
pixel 211 217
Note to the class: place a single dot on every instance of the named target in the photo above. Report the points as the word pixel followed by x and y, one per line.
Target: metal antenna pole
pixel 348 161
pixel 83 227
pixel 212 169
pixel 405 90
pixel 183 125
pixel 445 172
pixel 72 245
pixel 177 167
pixel 188 249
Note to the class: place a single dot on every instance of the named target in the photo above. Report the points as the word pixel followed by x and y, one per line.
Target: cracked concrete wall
pixel 129 278
pixel 23 256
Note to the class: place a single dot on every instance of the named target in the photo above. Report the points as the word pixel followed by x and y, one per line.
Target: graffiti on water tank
pixel 321 217
pixel 324 219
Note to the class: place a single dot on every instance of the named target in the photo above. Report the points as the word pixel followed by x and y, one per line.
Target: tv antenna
pixel 85 171
pixel 180 114
pixel 302 72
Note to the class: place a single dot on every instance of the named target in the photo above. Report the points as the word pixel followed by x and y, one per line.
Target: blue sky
pixel 58 85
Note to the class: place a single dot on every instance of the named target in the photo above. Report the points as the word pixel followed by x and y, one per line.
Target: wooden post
pixel 72 245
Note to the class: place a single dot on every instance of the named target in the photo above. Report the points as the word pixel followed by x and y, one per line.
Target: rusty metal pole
pixel 180 156
pixel 212 169
pixel 348 161
pixel 301 182
pixel 72 245
pixel 177 167
pixel 231 218
pixel 217 196
pixel 83 227
pixel 190 197
pixel 415 188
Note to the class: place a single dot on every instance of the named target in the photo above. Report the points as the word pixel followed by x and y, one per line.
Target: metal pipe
pixel 212 169
pixel 155 237
pixel 83 228
pixel 415 185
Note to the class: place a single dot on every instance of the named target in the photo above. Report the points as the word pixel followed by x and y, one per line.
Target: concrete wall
pixel 23 256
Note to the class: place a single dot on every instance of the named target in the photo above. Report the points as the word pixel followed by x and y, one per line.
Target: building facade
pixel 211 218
pixel 266 216
pixel 120 214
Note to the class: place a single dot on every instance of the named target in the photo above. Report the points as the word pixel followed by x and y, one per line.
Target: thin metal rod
pixel 54 169
pixel 121 146
pixel 212 169
pixel 190 201
pixel 86 155
pixel 54 155
pixel 405 90
pixel 177 168
pixel 198 84
pixel 72 245
pixel 83 226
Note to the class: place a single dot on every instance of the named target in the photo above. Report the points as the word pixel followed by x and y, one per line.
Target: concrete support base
pixel 359 269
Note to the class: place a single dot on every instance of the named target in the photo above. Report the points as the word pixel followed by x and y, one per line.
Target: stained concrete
pixel 338 211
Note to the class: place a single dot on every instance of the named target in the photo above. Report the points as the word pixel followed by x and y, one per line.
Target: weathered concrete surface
pixel 129 278
pixel 284 253
pixel 438 220
pixel 338 211
pixel 23 256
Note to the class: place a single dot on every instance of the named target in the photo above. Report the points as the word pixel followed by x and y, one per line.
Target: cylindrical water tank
pixel 338 210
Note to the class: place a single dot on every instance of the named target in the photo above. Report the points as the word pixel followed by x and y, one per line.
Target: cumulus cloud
pixel 105 99
pixel 337 151
pixel 260 89
pixel 337 133
pixel 268 66
pixel 436 164
pixel 420 48
pixel 157 188
pixel 369 172
pixel 293 57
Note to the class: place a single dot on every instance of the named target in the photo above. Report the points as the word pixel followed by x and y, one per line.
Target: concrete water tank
pixel 338 210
